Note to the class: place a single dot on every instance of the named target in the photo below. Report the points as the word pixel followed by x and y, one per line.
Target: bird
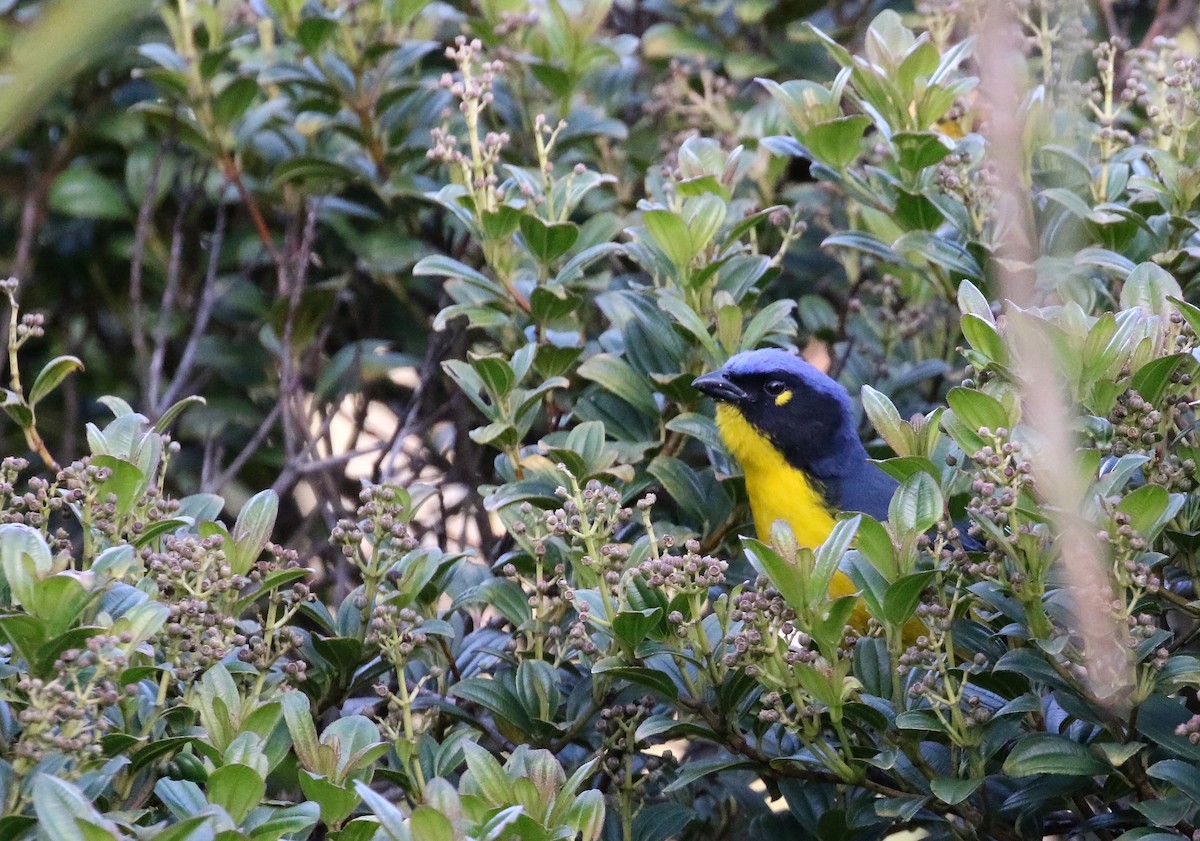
pixel 791 428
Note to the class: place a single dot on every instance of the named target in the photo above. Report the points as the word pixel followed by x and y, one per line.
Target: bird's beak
pixel 717 386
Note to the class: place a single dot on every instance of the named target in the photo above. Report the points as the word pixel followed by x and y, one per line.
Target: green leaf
pixel 1152 379
pixel 1150 287
pixel 632 626
pixel 63 810
pixel 496 374
pixel 52 373
pixel 618 376
pixel 837 142
pixel 786 577
pixel 124 481
pixel 653 679
pixel 502 222
pixel 300 725
pixel 973 302
pixel 662 40
pixel 978 410
pixel 903 595
pixel 252 530
pixel 487 773
pixel 428 824
pixel 336 801
pixel 391 819
pixel 671 234
pixel 704 215
pixel 58 600
pixel 537 688
pixel 25 558
pixel 983 337
pixel 237 789
pixel 313 173
pixel 233 100
pixel 495 695
pixel 312 32
pixel 1145 507
pixel 1180 774
pixel 86 194
pixel 175 410
pixel 699 769
pixel 887 421
pixel 916 150
pixel 586 816
pixel 548 241
pixel 1049 753
pixel 828 556
pixel 953 790
pixel 551 303
pixel 917 504
pixel 16 408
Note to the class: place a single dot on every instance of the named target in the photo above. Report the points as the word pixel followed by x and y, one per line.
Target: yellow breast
pixel 779 491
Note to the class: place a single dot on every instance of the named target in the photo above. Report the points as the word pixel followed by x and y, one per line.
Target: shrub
pixel 601 653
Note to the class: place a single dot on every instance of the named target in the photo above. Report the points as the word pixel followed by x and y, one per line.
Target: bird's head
pixel 803 413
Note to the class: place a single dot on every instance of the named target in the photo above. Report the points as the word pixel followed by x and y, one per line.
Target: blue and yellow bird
pixel 791 428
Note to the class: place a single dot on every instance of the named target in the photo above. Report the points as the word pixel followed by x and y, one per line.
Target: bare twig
pixel 1104 9
pixel 292 280
pixel 251 447
pixel 137 264
pixel 233 174
pixel 208 299
pixel 338 459
pixel 1168 21
pixel 167 306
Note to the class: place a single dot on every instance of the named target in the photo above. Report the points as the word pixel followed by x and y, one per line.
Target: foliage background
pixel 260 203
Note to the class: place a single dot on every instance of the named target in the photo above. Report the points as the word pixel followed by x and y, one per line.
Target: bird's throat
pixel 777 490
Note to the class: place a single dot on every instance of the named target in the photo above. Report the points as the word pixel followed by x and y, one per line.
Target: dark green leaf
pixel 1049 753
pixel 548 241
pixel 233 100
pixel 86 194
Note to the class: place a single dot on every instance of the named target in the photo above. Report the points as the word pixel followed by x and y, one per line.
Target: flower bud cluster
pixel 974 184
pixel 397 631
pixel 197 583
pixel 1164 82
pixel 1140 427
pixel 1000 475
pixel 617 724
pixel 693 100
pixel 689 573
pixel 65 714
pixel 472 158
pixel 1129 553
pixel 378 536
pixel 588 522
pixel 1189 730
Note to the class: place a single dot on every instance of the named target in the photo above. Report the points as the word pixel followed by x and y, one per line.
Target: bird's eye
pixel 774 387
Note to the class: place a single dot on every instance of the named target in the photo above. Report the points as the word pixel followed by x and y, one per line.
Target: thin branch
pixel 320 464
pixel 167 306
pixel 292 285
pixel 233 174
pixel 250 449
pixel 137 263
pixel 208 299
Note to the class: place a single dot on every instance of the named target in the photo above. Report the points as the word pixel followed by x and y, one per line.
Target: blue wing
pixel 867 490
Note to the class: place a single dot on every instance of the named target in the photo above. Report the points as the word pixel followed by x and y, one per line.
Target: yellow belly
pixel 779 491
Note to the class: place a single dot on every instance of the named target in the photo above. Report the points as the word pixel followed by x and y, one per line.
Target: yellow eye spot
pixel 783 398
